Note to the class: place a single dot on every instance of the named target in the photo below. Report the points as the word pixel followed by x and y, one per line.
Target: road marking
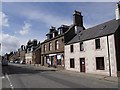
pixel 9 81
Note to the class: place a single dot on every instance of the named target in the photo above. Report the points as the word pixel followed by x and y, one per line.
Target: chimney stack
pixel 117 11
pixel 77 18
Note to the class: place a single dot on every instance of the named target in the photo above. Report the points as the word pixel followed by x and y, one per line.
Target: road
pixel 26 76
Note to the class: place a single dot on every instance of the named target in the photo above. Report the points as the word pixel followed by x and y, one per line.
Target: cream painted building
pixel 28 58
pixel 95 50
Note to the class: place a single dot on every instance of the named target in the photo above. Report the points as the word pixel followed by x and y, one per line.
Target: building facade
pixel 89 59
pixel 29 55
pixel 22 53
pixel 52 49
pixel 95 50
pixel 37 54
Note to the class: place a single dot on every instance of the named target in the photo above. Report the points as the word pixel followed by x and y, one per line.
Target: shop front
pixel 55 60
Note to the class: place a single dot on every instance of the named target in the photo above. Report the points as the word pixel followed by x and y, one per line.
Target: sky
pixel 23 21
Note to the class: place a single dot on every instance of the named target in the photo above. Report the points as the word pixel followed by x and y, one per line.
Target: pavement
pixel 89 75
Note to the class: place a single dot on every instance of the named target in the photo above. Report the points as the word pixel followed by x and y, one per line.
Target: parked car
pixel 11 61
pixel 22 62
pixel 4 62
pixel 17 62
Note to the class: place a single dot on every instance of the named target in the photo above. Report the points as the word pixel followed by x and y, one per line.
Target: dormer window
pixel 59 32
pixel 53 35
pixel 48 36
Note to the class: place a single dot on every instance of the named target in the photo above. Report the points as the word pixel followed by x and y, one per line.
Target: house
pixel 14 55
pixel 96 50
pixel 37 54
pixel 18 55
pixel 52 49
pixel 22 53
pixel 29 55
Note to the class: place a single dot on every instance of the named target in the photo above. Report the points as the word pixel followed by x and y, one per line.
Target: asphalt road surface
pixel 26 76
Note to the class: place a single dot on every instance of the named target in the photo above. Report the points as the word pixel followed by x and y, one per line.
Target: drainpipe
pixel 109 56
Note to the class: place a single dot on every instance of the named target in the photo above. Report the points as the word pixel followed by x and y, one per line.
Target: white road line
pixel 9 81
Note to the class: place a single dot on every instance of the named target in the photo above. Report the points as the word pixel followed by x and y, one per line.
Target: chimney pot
pixel 117 11
pixel 77 18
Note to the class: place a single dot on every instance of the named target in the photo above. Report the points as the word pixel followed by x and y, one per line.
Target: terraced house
pixel 29 55
pixel 52 49
pixel 96 50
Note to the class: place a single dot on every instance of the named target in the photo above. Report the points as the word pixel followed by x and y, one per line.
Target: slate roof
pixel 100 30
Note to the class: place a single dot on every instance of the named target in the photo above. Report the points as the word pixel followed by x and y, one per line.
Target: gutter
pixel 109 56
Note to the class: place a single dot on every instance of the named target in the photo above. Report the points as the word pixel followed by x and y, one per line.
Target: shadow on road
pixel 13 69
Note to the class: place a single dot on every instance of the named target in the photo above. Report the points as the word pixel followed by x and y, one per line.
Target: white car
pixel 4 62
pixel 22 62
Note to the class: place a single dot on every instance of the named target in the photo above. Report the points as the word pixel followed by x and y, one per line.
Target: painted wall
pixel 90 54
pixel 28 58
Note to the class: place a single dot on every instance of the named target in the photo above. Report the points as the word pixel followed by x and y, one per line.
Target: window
pixel 81 46
pixel 48 36
pixel 71 48
pixel 59 32
pixel 57 45
pixel 97 43
pixel 100 63
pixel 44 48
pixel 72 64
pixel 58 61
pixel 62 40
pixel 53 35
pixel 50 46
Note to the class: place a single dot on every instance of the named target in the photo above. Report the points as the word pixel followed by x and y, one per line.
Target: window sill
pixel 98 49
pixel 71 67
pixel 82 51
pixel 100 70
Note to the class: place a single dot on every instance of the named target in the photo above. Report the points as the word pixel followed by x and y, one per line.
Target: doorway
pixel 42 61
pixel 82 64
pixel 52 60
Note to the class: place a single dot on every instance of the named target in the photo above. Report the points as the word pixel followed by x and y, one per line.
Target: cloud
pixel 25 29
pixel 9 43
pixel 45 17
pixel 4 20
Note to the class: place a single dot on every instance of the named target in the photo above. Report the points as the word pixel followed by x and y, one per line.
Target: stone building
pixel 29 55
pixel 52 49
pixel 22 53
pixel 95 50
pixel 37 54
